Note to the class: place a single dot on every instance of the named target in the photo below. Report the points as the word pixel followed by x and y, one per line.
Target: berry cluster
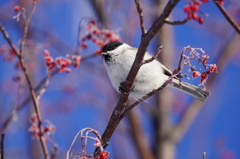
pixel 92 33
pixel 86 134
pixel 48 129
pixel 98 36
pixel 201 69
pixel 192 9
pixel 103 155
pixel 61 63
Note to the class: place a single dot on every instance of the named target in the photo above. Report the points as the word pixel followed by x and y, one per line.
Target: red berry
pixel 194 7
pixel 84 46
pixel 46 53
pixel 98 52
pixel 46 129
pixel 89 36
pixel 204 1
pixel 96 31
pixel 16 8
pixel 200 20
pixel 221 2
pixel 195 16
pixel 213 68
pixel 68 70
pixel 187 9
pixel 109 35
pixel 99 43
pixel 196 74
pixel 92 22
pixel 204 77
pixel 205 56
pixel 103 155
pixel 189 16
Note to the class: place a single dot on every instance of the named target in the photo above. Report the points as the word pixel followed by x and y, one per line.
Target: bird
pixel 118 58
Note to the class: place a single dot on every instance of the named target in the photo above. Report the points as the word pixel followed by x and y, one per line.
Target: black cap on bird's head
pixel 111 46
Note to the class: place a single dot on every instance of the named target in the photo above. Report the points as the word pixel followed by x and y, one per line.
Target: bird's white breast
pixel 149 77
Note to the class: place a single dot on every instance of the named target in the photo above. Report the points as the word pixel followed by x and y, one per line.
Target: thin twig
pixel 22 64
pixel 154 57
pixel 26 25
pixel 144 98
pixel 78 50
pixel 40 93
pixel 6 37
pixel 30 85
pixel 39 85
pixel 2 146
pixel 227 16
pixel 141 17
pixel 80 133
pixel 177 22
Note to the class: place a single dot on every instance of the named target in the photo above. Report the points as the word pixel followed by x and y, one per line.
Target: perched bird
pixel 118 58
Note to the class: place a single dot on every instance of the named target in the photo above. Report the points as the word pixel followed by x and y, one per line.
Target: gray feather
pixel 192 90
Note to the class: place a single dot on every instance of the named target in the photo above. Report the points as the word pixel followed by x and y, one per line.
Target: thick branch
pixel 227 16
pixel 125 111
pixel 115 118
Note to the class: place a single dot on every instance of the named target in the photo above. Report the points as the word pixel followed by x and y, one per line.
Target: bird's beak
pixel 104 53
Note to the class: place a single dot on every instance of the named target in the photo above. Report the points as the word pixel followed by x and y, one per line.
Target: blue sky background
pixel 85 97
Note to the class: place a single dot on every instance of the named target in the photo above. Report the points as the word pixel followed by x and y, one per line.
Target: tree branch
pixel 7 38
pixel 141 17
pixel 154 57
pixel 127 85
pixel 125 111
pixel 227 16
pixel 177 22
pixel 22 64
pixel 36 89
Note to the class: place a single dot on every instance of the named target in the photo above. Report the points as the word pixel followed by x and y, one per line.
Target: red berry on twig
pixel 187 9
pixel 16 8
pixel 195 16
pixel 196 74
pixel 84 46
pixel 200 20
pixel 194 7
pixel 204 1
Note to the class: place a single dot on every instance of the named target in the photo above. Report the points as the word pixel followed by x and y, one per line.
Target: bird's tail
pixel 192 90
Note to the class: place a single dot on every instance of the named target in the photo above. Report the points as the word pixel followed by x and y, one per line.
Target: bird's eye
pixel 107 57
